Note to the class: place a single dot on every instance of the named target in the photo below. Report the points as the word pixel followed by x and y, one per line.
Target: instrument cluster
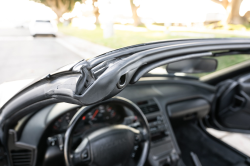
pixel 104 114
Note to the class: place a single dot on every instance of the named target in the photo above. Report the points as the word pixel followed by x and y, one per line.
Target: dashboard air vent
pixel 148 106
pixel 21 157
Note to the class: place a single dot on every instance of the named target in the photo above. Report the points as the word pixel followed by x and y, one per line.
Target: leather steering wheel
pixel 109 146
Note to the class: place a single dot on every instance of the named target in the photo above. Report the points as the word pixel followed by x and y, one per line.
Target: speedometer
pixel 100 114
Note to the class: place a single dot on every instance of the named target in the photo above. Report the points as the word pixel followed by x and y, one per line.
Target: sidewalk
pixel 81 47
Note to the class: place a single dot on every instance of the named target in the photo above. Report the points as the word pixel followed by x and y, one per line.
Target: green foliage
pixel 124 38
pixel 225 62
pixel 230 60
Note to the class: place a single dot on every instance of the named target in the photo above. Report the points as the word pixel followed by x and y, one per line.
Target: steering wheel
pixel 114 145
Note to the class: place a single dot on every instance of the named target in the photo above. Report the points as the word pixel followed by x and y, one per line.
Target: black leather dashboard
pixel 164 91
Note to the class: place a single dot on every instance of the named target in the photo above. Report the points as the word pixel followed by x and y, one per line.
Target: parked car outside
pixel 43 27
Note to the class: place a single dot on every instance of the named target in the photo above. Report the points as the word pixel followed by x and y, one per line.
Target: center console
pixel 163 150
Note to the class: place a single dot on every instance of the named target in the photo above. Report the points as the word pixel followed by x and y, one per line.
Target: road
pixel 25 57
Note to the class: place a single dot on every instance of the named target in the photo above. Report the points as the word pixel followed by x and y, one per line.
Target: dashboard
pixel 40 133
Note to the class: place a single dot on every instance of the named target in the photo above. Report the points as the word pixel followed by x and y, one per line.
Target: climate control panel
pixel 163 151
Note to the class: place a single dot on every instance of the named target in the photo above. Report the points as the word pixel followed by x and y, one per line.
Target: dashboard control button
pixel 137 138
pixel 151 124
pixel 159 117
pixel 135 125
pixel 153 130
pixel 85 155
pixel 155 123
pixel 161 127
pixel 133 155
pixel 52 141
pixel 174 157
pixel 159 122
pixel 166 133
pixel 168 160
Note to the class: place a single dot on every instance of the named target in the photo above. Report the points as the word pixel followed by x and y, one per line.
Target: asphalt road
pixel 25 57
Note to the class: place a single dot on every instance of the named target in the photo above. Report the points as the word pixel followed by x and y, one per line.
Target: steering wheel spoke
pixel 82 153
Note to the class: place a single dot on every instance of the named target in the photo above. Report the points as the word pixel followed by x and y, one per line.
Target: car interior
pixel 178 111
pixel 173 111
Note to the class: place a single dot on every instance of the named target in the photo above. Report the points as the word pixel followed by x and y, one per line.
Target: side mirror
pixel 194 65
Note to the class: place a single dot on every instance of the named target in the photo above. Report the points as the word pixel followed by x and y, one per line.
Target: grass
pixel 126 38
pixel 220 25
pixel 231 60
pixel 226 61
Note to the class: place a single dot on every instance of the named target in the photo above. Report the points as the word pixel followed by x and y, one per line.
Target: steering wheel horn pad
pixel 112 145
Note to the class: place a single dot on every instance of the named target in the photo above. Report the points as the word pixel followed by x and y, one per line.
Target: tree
pixel 247 16
pixel 233 9
pixel 234 16
pixel 59 6
pixel 96 11
pixel 137 20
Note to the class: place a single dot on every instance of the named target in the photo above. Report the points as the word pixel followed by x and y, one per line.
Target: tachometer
pixel 62 123
pixel 111 113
